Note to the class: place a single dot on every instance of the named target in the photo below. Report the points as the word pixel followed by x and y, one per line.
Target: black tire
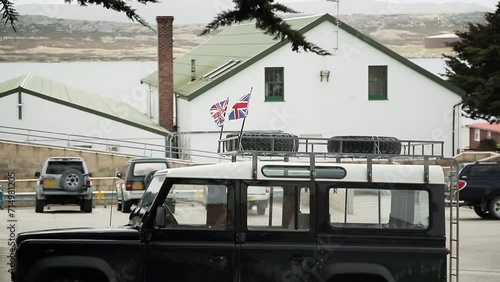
pixel 480 212
pixel 148 178
pixel 261 209
pixel 126 206
pixel 263 141
pixel 118 206
pixel 86 206
pixel 364 145
pixel 39 205
pixel 72 180
pixel 494 208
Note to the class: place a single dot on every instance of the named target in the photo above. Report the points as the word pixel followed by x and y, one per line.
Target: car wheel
pixel 126 205
pixel 72 180
pixel 480 212
pixel 364 144
pixel 263 141
pixel 39 205
pixel 86 206
pixel 261 209
pixel 118 206
pixel 494 210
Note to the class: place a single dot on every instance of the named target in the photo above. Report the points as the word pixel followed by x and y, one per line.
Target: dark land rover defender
pixel 326 220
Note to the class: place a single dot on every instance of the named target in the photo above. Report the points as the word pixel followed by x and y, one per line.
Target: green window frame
pixel 274 84
pixel 377 82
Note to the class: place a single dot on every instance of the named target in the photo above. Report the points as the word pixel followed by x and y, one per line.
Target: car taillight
pixel 128 185
pixel 88 182
pixel 268 190
pixel 41 180
pixel 461 184
pixel 448 251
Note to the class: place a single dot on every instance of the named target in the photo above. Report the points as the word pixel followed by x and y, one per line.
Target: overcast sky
pixel 488 3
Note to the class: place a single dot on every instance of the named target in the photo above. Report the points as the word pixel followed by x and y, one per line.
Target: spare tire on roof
pixel 263 141
pixel 364 145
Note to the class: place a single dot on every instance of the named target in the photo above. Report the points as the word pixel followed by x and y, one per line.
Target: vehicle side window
pixel 125 171
pixel 198 207
pixel 278 208
pixel 378 208
pixel 484 170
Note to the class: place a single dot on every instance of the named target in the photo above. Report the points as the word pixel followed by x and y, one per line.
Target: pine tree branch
pixel 264 14
pixel 9 14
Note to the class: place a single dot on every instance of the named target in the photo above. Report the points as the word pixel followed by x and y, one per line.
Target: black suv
pixel 480 188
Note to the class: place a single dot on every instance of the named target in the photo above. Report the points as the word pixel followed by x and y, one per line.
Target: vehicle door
pixel 278 245
pixel 196 243
pixel 480 178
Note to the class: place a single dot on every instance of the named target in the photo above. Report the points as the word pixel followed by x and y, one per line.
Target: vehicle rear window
pixel 484 170
pixel 141 169
pixel 379 208
pixel 60 167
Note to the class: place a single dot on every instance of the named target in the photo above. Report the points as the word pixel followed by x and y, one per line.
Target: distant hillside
pixel 40 38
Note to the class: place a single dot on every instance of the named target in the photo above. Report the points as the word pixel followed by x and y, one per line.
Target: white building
pixel 37 110
pixel 364 88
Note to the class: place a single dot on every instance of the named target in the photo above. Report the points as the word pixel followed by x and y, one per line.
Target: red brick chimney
pixel 166 72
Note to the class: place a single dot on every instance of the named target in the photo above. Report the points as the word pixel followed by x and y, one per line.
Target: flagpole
pixel 222 127
pixel 243 123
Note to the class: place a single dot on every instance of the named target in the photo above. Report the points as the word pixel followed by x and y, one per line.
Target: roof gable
pixel 248 44
pixel 79 99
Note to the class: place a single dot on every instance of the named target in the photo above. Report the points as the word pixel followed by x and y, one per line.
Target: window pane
pixel 274 85
pixel 198 206
pixel 141 169
pixel 287 209
pixel 379 208
pixel 377 81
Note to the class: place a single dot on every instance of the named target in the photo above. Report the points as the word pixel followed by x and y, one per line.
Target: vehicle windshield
pixel 147 199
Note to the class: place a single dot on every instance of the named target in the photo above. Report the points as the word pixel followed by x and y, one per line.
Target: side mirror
pixel 118 174
pixel 161 217
pixel 37 174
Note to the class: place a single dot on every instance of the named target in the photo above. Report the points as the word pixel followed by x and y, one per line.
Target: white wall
pixel 417 108
pixel 43 115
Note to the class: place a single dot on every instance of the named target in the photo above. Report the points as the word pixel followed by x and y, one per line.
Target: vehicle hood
pixel 88 233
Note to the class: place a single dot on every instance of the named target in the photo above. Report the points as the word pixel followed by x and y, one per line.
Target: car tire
pixel 71 180
pixel 263 141
pixel 39 205
pixel 480 212
pixel 118 206
pixel 86 206
pixel 126 206
pixel 364 145
pixel 494 208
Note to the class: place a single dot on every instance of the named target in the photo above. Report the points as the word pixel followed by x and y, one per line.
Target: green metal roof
pixel 248 44
pixel 79 99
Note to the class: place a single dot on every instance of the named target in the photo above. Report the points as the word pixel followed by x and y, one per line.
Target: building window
pixel 274 84
pixel 377 82
pixel 489 134
pixel 19 105
pixel 477 134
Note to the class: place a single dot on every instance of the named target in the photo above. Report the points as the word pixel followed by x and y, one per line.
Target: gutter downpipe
pixel 453 130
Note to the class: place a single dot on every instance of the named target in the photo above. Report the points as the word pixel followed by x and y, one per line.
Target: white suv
pixel 64 180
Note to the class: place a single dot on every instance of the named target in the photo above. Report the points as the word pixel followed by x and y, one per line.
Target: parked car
pixel 134 178
pixel 479 185
pixel 64 180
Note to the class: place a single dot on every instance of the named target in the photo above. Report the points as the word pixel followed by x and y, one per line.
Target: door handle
pixel 296 259
pixel 217 259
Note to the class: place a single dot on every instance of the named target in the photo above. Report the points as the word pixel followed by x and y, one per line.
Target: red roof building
pixel 480 131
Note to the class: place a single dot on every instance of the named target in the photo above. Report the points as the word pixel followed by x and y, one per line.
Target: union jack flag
pixel 218 112
pixel 240 109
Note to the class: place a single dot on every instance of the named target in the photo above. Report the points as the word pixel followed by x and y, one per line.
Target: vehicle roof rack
pixel 368 148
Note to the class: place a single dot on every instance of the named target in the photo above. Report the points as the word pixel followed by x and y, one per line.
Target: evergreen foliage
pixel 476 68
pixel 264 12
